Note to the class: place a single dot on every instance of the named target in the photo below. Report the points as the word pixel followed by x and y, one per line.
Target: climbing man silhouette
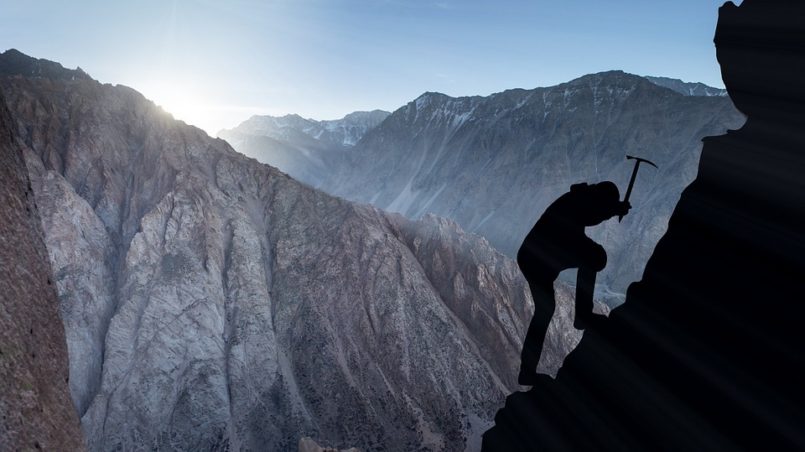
pixel 557 242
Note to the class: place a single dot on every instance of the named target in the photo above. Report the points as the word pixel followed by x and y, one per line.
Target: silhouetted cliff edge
pixel 707 351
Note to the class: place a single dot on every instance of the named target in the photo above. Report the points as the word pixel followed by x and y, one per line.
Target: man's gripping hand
pixel 623 208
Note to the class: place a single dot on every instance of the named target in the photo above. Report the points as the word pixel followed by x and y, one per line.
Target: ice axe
pixel 637 163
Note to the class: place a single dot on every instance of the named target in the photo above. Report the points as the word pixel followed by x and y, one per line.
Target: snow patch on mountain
pixel 342 132
pixel 687 88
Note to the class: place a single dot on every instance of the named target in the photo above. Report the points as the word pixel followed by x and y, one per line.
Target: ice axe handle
pixel 637 163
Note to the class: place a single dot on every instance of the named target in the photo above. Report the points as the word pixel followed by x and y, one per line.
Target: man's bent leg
pixel 544 305
pixel 585 288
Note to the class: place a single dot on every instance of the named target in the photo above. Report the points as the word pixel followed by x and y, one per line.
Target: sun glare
pixel 193 105
pixel 185 102
pixel 177 100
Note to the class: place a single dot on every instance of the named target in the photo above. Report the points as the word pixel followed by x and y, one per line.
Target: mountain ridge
pixel 301 146
pixel 14 62
pixel 693 88
pixel 687 88
pixel 345 131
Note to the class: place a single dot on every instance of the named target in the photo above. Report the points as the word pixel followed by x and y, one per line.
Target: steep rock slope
pixel 211 302
pixel 34 398
pixel 493 164
pixel 303 148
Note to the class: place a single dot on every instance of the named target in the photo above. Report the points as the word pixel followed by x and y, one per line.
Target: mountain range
pixel 301 147
pixel 212 302
pixel 494 163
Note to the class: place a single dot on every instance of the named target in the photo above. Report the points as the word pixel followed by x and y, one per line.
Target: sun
pixel 195 103
pixel 175 99
pixel 183 101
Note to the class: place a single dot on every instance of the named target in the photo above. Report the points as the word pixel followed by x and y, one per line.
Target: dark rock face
pixel 707 351
pixel 34 399
pixel 493 164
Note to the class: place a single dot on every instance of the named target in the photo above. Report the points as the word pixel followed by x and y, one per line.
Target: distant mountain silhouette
pixel 708 352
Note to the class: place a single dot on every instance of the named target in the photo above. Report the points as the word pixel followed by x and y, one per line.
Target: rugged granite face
pixel 707 351
pixel 303 148
pixel 493 164
pixel 211 302
pixel 34 398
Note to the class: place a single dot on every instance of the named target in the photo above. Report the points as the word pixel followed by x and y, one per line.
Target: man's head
pixel 601 202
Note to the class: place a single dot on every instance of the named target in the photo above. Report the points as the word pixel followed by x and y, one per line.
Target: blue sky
pixel 214 64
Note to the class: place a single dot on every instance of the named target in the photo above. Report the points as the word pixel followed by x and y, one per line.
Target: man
pixel 557 242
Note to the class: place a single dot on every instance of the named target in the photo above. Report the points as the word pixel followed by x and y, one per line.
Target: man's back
pixel 557 241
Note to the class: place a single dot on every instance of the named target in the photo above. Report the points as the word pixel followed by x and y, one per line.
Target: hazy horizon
pixel 215 65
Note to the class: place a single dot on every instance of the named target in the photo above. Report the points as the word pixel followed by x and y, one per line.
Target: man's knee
pixel 596 258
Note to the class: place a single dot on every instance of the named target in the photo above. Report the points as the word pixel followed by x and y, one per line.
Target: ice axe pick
pixel 637 163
